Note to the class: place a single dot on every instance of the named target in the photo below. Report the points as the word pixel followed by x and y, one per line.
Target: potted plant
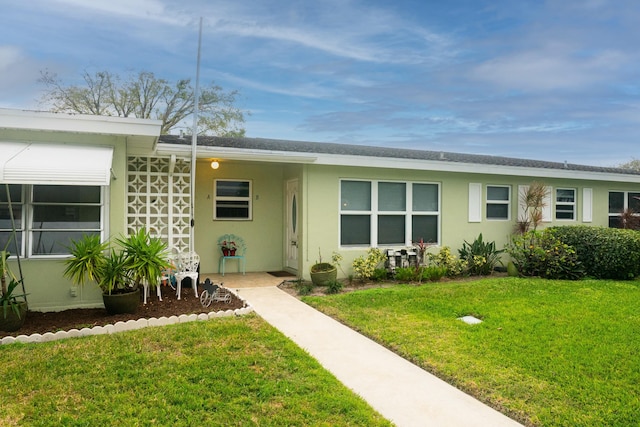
pixel 228 247
pixel 322 273
pixel 14 311
pixel 118 272
pixel 145 258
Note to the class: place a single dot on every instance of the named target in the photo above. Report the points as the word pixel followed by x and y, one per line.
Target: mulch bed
pixel 41 322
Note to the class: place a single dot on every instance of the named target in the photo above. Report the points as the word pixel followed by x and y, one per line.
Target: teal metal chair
pixel 232 247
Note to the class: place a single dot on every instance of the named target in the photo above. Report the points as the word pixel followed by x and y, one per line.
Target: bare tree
pixel 148 97
pixel 633 164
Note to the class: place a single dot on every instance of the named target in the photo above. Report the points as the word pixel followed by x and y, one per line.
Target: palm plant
pixel 8 283
pixel 87 259
pixel 140 258
pixel 145 257
pixel 114 273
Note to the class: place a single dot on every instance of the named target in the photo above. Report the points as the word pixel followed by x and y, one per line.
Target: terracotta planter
pixel 322 274
pixel 122 303
pixel 13 322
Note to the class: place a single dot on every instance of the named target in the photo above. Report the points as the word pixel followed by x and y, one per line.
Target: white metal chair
pixel 187 265
pixel 145 287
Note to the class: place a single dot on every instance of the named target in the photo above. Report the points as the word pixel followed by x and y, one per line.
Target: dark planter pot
pixel 13 322
pixel 122 303
pixel 322 274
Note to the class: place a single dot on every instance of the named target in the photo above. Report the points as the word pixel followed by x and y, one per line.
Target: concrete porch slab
pixel 249 280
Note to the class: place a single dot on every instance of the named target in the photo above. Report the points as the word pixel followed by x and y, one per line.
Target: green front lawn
pixel 232 371
pixel 547 353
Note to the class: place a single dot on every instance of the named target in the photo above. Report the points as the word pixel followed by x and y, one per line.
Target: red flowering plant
pixel 228 247
pixel 421 247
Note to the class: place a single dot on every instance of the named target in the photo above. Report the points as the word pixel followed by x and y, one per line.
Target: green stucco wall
pixel 319 188
pixel 321 207
pixel 263 235
pixel 47 289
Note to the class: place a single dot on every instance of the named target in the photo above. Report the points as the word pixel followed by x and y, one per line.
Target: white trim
pixel 547 208
pixel 375 213
pixel 141 135
pixel 587 204
pixel 248 199
pixel 498 202
pixel 54 164
pixel 393 163
pixel 78 123
pixel 574 204
pixel 475 202
pixel 522 191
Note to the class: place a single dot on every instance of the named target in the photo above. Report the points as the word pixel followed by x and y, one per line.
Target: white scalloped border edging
pixel 129 325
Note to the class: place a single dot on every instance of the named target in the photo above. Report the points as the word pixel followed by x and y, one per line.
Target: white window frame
pixel 22 219
pixel 374 213
pixel 497 202
pixel 30 230
pixel 563 203
pixel 248 199
pixel 625 203
pixel 27 228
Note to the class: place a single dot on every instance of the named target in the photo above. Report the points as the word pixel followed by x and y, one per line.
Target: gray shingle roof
pixel 262 144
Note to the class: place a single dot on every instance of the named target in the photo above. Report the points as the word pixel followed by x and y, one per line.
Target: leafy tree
pixel 633 164
pixel 148 97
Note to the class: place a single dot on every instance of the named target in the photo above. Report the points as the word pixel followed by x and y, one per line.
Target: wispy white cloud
pixel 9 56
pixel 555 67
pixel 147 10
pixel 475 75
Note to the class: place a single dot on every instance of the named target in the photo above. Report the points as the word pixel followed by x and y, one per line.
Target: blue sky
pixel 552 80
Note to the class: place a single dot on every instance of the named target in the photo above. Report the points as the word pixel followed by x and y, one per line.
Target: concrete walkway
pixel 400 391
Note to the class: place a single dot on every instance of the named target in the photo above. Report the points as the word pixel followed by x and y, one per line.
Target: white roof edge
pixel 81 123
pixel 395 163
pixel 473 168
pixel 239 153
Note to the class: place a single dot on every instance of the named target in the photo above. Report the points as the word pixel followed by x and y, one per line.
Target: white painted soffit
pixel 142 134
pixel 393 163
pixel 83 123
pixel 54 164
pixel 239 154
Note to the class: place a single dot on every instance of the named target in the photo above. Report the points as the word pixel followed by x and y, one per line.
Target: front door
pixel 293 218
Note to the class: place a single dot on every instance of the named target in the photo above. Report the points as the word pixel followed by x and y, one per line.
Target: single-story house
pixel 290 201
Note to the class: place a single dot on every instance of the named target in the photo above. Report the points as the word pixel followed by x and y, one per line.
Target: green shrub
pixel 541 254
pixel 454 266
pixel 303 288
pixel 433 273
pixel 481 257
pixel 605 253
pixel 380 274
pixel 364 267
pixel 407 274
pixel 333 287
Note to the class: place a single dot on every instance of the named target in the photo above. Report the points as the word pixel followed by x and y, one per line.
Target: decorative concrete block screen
pixel 158 198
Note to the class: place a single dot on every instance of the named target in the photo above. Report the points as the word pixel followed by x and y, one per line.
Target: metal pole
pixel 15 243
pixel 194 142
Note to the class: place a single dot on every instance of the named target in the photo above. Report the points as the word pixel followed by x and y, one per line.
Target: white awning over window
pixel 54 164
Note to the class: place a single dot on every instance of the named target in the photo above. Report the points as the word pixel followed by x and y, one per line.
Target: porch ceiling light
pixel 215 164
